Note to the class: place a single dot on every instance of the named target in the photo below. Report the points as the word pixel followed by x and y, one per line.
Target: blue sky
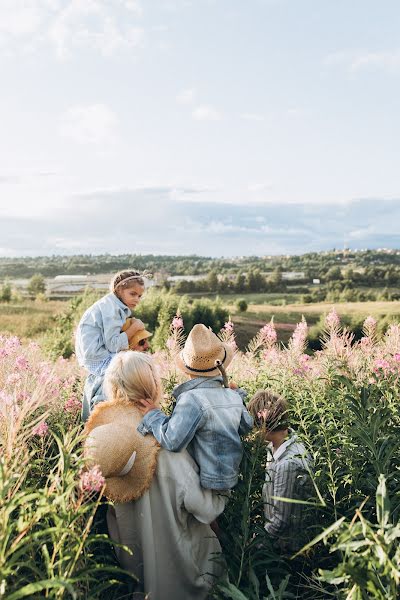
pixel 217 127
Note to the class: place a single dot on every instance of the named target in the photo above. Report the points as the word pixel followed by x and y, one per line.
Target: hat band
pixel 128 465
pixel 205 370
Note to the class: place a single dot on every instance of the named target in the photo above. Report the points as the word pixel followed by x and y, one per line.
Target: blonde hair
pixel 128 278
pixel 132 376
pixel 269 410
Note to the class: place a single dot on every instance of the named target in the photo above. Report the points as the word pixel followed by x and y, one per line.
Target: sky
pixel 210 127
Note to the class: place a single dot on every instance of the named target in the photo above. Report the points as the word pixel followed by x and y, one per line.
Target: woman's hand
pixel 146 405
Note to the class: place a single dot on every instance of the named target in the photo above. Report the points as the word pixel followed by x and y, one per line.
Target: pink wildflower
pixel 397 357
pixel 21 363
pixel 229 326
pixel 6 398
pixel 177 322
pixel 3 353
pixel 12 343
pixel 92 480
pixel 262 414
pixel 268 333
pixel 73 404
pixel 41 429
pixel 299 336
pixel 13 379
pixel 170 344
pixel 332 320
pixel 370 325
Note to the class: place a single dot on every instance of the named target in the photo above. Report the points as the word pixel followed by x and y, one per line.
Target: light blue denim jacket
pixel 98 336
pixel 210 418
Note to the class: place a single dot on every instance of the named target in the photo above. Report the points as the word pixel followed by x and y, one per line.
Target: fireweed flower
pixel 332 320
pixel 299 336
pixel 6 398
pixel 370 326
pixel 177 322
pixel 41 429
pixel 73 404
pixel 91 480
pixel 229 326
pixel 13 379
pixel 22 363
pixel 268 334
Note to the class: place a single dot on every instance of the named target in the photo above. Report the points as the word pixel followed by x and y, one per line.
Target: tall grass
pixel 345 406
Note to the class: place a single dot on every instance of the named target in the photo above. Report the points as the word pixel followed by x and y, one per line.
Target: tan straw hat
pixel 126 459
pixel 202 348
pixel 140 335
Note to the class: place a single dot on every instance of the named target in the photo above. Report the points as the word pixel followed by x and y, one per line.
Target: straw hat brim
pixel 138 480
pixel 182 366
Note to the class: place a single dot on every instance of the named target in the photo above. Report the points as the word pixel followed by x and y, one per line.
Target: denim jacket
pixel 210 418
pixel 98 336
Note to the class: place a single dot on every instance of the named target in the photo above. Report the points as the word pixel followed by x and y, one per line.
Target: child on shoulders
pixel 106 328
pixel 208 418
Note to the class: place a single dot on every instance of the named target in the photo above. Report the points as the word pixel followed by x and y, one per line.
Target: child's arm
pixel 173 433
pixel 116 340
pixel 246 422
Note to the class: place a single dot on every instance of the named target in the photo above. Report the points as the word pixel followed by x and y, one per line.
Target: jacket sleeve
pixel 114 339
pixel 246 422
pixel 205 505
pixel 175 432
pixel 284 486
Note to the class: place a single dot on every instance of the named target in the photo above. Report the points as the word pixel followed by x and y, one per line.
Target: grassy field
pixel 29 318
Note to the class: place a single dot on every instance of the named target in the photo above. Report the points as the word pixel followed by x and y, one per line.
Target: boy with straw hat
pixel 208 418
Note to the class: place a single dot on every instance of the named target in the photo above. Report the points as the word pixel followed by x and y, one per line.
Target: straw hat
pixel 126 459
pixel 202 348
pixel 139 335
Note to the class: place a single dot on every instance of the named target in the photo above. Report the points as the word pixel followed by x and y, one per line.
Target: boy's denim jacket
pixel 211 419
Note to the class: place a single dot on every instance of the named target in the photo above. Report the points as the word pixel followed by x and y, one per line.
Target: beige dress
pixel 174 548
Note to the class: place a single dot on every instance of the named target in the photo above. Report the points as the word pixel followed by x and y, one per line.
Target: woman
pixel 161 512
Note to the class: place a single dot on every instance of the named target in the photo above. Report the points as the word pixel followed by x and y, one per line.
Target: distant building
pixel 64 286
pixel 70 285
pixel 290 275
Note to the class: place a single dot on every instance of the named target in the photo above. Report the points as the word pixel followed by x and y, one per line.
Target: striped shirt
pixel 287 476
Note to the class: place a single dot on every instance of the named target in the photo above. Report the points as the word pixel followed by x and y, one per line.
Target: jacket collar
pixel 120 304
pixel 283 447
pixel 199 382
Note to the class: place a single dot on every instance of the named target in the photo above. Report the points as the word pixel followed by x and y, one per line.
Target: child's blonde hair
pixel 132 376
pixel 127 278
pixel 269 410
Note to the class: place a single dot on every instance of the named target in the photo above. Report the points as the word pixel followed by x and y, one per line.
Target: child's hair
pixel 126 279
pixel 132 376
pixel 269 410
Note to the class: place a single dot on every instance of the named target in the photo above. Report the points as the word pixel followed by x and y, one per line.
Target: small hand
pixel 145 405
pixel 233 385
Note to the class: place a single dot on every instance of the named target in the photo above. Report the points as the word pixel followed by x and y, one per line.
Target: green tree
pixel 36 285
pixel 5 292
pixel 241 305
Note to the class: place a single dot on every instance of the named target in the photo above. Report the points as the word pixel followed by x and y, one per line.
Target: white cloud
pixel 103 26
pixel 186 96
pixel 357 61
pixel 91 23
pixel 260 187
pixel 252 117
pixel 206 113
pixel 380 60
pixel 95 124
